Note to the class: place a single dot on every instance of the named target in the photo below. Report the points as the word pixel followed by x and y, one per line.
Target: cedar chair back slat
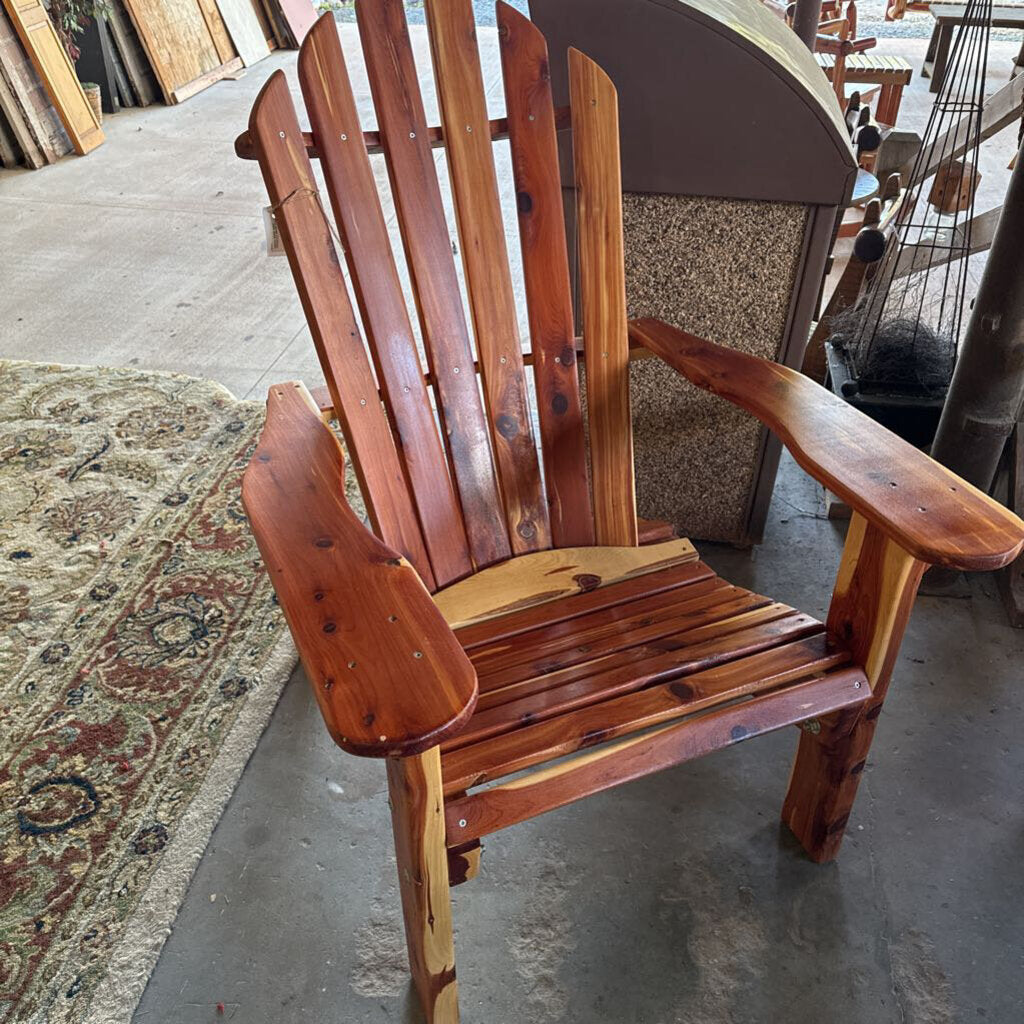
pixel 363 232
pixel 457 499
pixel 468 147
pixel 314 263
pixel 428 251
pixel 595 121
pixel 534 148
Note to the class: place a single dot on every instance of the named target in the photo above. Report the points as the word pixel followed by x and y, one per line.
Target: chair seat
pixel 870 68
pixel 585 668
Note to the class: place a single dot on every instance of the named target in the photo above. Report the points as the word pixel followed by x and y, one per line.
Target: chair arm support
pixel 386 669
pixel 924 508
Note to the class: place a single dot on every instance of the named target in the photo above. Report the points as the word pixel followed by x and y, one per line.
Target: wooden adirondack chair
pixel 501 613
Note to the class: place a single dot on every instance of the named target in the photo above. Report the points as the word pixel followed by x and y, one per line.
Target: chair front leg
pixel 873 597
pixel 417 818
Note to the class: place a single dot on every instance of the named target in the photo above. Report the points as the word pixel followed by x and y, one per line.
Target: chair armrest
pixel 386 669
pixel 924 508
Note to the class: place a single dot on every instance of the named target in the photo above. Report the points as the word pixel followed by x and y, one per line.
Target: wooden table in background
pixel 947 18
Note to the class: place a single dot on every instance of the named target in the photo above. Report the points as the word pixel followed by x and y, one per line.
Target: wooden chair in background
pixel 501 614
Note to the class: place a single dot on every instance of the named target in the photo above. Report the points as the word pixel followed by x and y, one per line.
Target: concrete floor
pixel 674 900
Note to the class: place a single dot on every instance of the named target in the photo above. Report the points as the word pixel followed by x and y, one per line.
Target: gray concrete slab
pixel 674 900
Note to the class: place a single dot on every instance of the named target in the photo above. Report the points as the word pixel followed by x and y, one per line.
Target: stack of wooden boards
pixel 138 51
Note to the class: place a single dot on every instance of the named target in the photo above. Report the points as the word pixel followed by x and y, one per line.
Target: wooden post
pixel 417 818
pixel 805 21
pixel 987 391
pixel 874 594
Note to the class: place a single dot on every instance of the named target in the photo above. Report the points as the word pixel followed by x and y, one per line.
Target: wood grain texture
pixel 371 139
pixel 180 46
pixel 473 765
pixel 52 64
pixel 239 18
pixel 508 626
pixel 417 819
pixel 928 511
pixel 545 695
pixel 535 172
pixel 387 672
pixel 492 304
pixel 595 120
pixel 546 575
pixel 489 810
pixel 873 597
pixel 321 286
pixel 428 253
pixel 331 105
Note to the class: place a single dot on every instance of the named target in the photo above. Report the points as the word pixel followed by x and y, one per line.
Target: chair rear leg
pixel 874 594
pixel 417 818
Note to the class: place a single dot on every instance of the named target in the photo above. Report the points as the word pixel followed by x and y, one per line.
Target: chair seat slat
pixel 421 218
pixel 531 129
pixel 307 239
pixel 354 198
pixel 460 91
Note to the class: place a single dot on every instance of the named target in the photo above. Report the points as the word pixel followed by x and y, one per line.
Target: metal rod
pixel 806 17
pixel 987 390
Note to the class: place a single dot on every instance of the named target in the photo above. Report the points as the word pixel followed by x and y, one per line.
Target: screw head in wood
pixel 351 664
pixel 856 685
pixel 412 135
pixel 469 127
pixel 344 137
pixel 362 401
pixel 417 654
pixel 455 370
pixel 281 134
pixel 462 822
pixel 532 118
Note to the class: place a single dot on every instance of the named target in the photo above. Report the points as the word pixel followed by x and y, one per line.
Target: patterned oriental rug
pixel 141 654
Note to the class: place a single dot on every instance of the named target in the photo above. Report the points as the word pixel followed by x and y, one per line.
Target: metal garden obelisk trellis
pixel 902 337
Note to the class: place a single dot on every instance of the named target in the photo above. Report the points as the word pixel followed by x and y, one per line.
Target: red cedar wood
pixel 928 511
pixel 356 204
pixel 310 248
pixel 417 821
pixel 534 149
pixel 489 810
pixel 703 609
pixel 387 672
pixel 492 304
pixel 371 139
pixel 532 700
pixel 428 252
pixel 516 623
pixel 874 594
pixel 595 120
pixel 598 723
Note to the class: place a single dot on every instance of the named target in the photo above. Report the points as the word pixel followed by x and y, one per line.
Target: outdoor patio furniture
pixel 499 614
pixel 893 74
pixel 947 18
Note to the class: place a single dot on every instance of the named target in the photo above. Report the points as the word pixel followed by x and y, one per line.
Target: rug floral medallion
pixel 141 653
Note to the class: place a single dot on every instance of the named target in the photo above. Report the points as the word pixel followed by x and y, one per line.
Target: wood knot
pixel 526 530
pixel 329 627
pixel 524 201
pixel 507 426
pixel 567 355
pixel 324 542
pixel 587 581
pixel 559 404
pixel 682 691
pixel 738 732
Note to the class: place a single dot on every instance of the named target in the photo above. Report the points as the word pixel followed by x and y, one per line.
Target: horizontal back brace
pixel 246 150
